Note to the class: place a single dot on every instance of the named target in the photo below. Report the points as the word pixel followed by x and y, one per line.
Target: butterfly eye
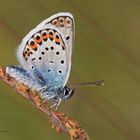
pixel 32 44
pixel 66 92
pixel 44 35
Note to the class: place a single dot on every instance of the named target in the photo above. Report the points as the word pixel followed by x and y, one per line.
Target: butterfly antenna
pixel 96 83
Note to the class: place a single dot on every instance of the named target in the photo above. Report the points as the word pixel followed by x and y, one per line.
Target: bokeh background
pixel 107 46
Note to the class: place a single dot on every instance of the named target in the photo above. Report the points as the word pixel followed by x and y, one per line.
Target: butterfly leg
pixel 59 101
pixel 53 105
pixel 47 99
pixel 42 89
pixel 56 104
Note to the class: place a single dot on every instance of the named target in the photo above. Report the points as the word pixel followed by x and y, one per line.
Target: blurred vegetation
pixel 107 46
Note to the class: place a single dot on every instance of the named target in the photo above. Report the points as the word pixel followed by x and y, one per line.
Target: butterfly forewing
pixel 46 50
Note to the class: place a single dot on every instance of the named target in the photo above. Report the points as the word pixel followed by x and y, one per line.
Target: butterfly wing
pixel 46 50
pixel 64 22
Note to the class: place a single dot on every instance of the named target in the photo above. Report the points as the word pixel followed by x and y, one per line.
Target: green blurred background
pixel 107 46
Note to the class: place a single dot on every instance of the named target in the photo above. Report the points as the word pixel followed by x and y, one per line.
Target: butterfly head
pixel 67 93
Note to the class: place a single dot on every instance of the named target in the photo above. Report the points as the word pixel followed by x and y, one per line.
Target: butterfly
pixel 45 58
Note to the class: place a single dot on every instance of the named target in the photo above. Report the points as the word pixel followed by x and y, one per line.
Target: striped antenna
pixel 96 83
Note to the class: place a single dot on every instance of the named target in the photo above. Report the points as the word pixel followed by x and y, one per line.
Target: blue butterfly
pixel 45 58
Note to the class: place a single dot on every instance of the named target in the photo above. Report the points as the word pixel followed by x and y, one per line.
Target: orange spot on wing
pixel 38 40
pixel 46 36
pixel 33 45
pixel 51 36
pixel 57 40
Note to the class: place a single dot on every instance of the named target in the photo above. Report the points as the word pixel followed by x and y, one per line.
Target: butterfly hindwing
pixel 46 50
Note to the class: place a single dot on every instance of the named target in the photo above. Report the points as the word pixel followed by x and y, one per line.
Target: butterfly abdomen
pixel 22 76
